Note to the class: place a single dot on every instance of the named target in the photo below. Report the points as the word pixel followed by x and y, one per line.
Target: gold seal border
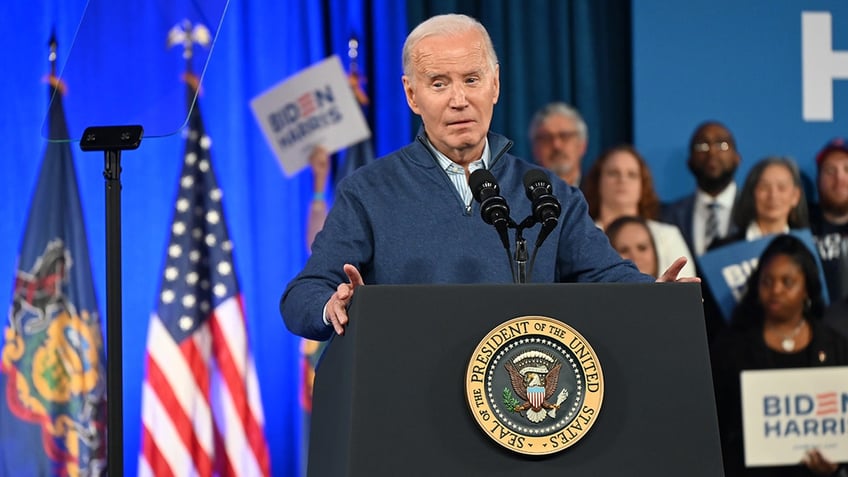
pixel 476 377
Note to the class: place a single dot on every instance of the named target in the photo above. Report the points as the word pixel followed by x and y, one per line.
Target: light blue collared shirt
pixel 456 173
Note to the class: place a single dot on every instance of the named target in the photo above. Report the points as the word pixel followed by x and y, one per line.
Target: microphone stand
pixel 520 258
pixel 521 249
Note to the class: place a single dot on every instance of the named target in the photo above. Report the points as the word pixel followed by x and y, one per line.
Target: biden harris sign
pixel 786 412
pixel 315 107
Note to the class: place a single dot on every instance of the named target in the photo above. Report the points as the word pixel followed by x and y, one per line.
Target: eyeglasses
pixel 705 146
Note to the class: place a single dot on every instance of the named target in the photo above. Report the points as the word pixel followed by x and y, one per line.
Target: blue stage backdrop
pixel 742 63
pixel 261 42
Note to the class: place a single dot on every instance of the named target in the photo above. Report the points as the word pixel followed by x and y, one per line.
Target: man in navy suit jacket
pixel 713 160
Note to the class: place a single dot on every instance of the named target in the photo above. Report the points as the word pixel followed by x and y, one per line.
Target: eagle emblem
pixel 534 376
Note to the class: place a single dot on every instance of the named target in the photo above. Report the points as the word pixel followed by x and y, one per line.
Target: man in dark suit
pixel 704 215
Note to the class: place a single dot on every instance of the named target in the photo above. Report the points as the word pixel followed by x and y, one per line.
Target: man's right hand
pixel 336 309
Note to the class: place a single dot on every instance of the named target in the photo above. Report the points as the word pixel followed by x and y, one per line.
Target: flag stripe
pixel 227 326
pixel 155 418
pixel 180 380
pixel 227 361
pixel 177 414
pixel 222 460
pixel 197 352
pixel 153 460
pixel 232 432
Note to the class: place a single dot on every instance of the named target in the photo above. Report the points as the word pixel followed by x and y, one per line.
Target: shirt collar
pixel 753 231
pixel 449 166
pixel 725 198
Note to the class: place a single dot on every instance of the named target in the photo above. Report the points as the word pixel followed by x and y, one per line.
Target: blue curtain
pixel 577 51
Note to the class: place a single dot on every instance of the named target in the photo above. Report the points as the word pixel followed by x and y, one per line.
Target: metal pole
pixel 114 361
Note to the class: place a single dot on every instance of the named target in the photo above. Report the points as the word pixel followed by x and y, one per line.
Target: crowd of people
pixel 613 227
pixel 782 319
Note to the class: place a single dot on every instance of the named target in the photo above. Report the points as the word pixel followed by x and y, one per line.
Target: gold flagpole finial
pixel 188 35
pixel 53 44
pixel 356 80
pixel 52 56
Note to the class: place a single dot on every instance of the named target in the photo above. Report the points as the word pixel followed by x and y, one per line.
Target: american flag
pixel 201 408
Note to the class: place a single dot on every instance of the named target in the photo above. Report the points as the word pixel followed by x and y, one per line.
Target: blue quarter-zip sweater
pixel 400 220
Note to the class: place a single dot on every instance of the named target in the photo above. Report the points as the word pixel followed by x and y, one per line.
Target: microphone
pixel 493 207
pixel 546 207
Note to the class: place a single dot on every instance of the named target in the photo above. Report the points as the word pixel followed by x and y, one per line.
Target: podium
pixel 389 396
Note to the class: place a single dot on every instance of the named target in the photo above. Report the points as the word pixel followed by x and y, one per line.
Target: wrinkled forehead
pixel 436 53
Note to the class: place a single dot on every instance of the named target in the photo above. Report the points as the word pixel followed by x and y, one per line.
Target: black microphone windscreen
pixel 479 181
pixel 533 179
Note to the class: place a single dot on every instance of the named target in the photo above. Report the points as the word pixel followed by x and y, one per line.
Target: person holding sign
pixel 778 324
pixel 410 218
pixel 771 202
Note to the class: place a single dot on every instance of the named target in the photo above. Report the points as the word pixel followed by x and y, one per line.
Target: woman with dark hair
pixel 771 202
pixel 631 238
pixel 778 324
pixel 619 184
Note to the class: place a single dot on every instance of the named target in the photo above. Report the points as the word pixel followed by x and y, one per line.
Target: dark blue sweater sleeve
pixel 345 238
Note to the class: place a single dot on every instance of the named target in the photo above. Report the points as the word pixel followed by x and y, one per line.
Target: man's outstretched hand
pixel 340 300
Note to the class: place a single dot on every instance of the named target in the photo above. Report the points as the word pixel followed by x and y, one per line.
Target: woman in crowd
pixel 771 202
pixel 619 184
pixel 778 324
pixel 630 236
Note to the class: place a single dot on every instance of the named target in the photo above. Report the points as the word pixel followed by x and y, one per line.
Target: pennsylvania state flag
pixel 52 406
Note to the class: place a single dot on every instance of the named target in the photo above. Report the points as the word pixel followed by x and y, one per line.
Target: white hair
pixel 447 25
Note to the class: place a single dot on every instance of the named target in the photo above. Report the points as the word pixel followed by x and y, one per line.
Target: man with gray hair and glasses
pixel 704 216
pixel 559 137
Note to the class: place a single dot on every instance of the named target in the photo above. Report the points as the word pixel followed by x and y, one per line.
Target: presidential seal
pixel 534 385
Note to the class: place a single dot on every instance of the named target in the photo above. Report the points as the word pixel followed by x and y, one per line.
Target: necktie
pixel 711 231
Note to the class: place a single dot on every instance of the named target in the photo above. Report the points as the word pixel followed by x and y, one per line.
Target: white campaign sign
pixel 315 107
pixel 785 412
